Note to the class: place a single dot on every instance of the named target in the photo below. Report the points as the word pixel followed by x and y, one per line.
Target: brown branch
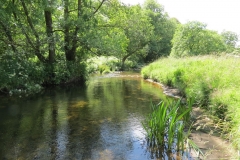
pixel 72 10
pixel 29 20
pixel 99 7
pixel 88 48
pixel 23 30
pixel 37 46
pixel 58 30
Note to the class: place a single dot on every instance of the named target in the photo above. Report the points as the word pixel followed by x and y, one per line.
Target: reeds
pixel 165 127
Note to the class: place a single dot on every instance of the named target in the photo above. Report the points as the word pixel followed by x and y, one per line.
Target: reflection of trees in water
pixel 119 98
pixel 76 122
pixel 21 133
pixel 83 130
pixel 119 95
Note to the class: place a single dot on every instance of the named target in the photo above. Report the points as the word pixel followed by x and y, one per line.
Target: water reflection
pixel 99 121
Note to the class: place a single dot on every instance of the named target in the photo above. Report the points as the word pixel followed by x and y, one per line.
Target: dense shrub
pixel 23 75
pixel 19 75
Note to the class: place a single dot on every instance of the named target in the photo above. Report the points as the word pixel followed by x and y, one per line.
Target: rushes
pixel 165 126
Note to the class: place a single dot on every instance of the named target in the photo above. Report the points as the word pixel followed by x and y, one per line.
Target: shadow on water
pixel 101 120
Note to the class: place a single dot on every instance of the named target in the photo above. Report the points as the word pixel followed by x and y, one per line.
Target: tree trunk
pixel 51 47
pixel 66 30
pixel 70 53
pixel 51 42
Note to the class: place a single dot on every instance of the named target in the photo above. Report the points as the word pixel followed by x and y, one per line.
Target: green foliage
pixel 211 81
pixel 164 28
pixel 19 75
pixel 165 126
pixel 66 72
pixel 23 76
pixel 103 69
pixel 129 31
pixel 99 64
pixel 193 38
pixel 107 64
pixel 230 39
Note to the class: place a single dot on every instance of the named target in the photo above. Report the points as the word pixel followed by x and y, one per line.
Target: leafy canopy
pixel 193 38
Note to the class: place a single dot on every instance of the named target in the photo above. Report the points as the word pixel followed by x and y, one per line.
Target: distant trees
pixel 193 38
pixel 230 39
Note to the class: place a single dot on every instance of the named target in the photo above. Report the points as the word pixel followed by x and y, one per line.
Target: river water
pixel 102 120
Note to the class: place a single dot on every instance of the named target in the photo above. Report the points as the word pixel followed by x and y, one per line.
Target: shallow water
pixel 99 121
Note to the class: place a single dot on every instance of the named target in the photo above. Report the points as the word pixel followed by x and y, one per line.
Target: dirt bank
pixel 204 134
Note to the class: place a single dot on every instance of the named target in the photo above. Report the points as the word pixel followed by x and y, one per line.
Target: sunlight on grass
pixel 213 83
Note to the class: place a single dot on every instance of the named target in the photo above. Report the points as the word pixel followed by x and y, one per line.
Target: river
pixel 102 120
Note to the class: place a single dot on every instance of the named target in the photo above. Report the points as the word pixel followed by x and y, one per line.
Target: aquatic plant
pixel 165 126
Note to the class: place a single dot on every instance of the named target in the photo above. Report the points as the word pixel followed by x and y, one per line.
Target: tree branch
pixel 88 48
pixel 99 7
pixel 37 46
pixel 9 36
pixel 58 30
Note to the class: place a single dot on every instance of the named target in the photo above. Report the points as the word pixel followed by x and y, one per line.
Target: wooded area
pixel 48 42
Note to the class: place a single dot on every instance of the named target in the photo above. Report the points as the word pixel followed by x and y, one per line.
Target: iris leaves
pixel 165 126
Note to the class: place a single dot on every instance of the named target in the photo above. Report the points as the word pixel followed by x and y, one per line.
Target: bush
pixel 22 75
pixel 103 69
pixel 19 75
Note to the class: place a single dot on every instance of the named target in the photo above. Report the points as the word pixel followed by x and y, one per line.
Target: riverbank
pixel 203 132
pixel 212 82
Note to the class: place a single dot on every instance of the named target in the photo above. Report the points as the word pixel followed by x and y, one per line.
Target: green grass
pixel 212 81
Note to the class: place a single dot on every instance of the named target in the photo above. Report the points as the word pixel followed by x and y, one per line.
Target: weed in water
pixel 165 127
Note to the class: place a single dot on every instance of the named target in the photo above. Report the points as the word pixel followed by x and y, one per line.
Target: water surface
pixel 101 120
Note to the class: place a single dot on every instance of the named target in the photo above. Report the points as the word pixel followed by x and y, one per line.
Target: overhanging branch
pixel 99 7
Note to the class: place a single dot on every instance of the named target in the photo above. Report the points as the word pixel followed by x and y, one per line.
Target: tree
pixel 133 30
pixel 138 29
pixel 230 39
pixel 64 30
pixel 193 38
pixel 164 28
pixel 45 42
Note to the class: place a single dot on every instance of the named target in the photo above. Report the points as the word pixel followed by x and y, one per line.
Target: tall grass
pixel 213 83
pixel 165 127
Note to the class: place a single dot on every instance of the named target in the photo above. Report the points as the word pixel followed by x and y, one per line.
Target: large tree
pixel 164 28
pixel 128 28
pixel 47 29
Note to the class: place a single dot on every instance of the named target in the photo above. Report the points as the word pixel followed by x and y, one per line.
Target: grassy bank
pixel 213 83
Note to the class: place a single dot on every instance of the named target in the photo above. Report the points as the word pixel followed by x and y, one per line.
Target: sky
pixel 219 15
